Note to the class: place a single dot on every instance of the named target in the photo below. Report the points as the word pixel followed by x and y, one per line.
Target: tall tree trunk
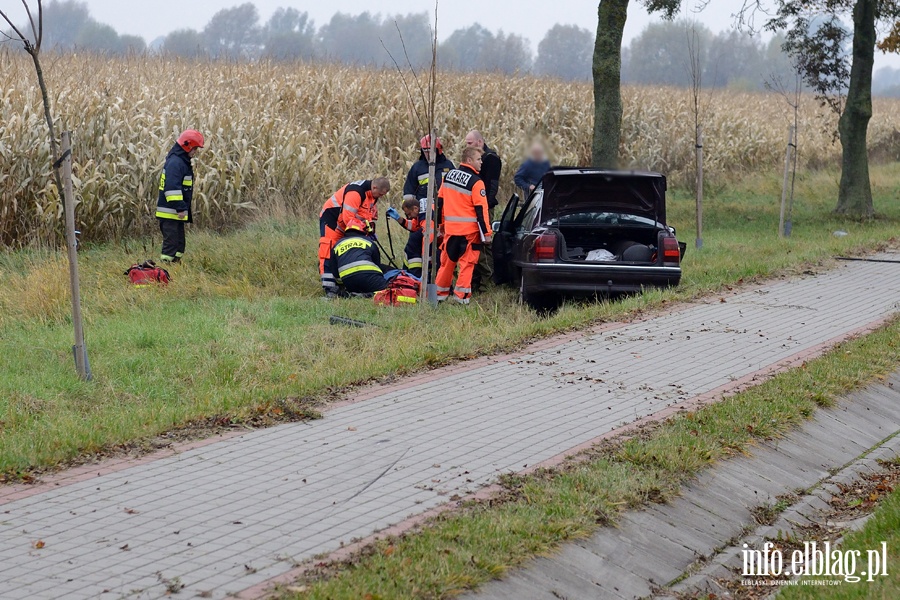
pixel 607 82
pixel 855 195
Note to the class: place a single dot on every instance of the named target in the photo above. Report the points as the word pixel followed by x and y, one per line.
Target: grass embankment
pixel 243 326
pixel 462 549
pixel 883 526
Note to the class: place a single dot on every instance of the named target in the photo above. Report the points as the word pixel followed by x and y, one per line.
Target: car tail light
pixel 671 251
pixel 544 249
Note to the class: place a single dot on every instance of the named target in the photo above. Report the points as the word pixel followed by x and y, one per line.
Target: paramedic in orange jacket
pixel 356 200
pixel 463 219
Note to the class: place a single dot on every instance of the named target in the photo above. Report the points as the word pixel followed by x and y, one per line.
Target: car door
pixel 503 245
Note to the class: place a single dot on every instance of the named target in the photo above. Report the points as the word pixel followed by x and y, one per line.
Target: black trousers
pixel 484 270
pixel 413 253
pixel 173 239
pixel 364 282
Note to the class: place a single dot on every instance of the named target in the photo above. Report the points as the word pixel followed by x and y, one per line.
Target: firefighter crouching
pixel 356 200
pixel 176 192
pixel 463 220
pixel 416 189
pixel 356 261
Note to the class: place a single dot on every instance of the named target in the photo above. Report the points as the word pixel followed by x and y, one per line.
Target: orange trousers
pixel 463 251
pixel 329 238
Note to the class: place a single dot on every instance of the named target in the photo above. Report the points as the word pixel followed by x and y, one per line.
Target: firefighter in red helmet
pixel 416 188
pixel 176 191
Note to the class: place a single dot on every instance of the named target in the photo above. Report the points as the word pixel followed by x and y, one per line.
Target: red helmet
pixel 190 139
pixel 356 225
pixel 425 144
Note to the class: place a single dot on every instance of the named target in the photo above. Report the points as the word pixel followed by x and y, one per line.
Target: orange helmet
pixel 190 139
pixel 425 144
pixel 356 225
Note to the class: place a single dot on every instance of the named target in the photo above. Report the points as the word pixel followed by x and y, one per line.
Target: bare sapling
pixel 428 97
pixel 792 97
pixel 32 46
pixel 695 69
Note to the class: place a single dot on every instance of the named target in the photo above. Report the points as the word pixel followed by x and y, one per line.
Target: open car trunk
pixel 629 245
pixel 571 191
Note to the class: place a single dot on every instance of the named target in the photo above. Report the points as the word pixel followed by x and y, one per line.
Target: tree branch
pixel 746 15
pixel 22 38
pixel 31 20
pixel 409 94
pixel 40 38
pixel 409 62
pixel 433 90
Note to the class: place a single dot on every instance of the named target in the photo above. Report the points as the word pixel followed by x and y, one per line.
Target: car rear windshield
pixel 602 218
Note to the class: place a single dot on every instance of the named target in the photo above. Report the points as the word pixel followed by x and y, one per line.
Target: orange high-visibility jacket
pixel 462 203
pixel 354 200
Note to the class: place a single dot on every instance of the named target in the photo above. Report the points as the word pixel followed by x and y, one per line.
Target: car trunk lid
pixel 572 190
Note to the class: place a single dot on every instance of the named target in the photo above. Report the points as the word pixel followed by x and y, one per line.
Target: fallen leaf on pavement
pixel 131 511
pixel 39 544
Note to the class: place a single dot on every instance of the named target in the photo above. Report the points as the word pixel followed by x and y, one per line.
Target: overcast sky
pixel 530 18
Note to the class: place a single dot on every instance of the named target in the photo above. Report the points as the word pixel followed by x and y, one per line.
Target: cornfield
pixel 283 137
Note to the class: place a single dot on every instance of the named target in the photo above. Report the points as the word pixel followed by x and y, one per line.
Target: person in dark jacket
pixel 176 192
pixel 356 261
pixel 491 168
pixel 416 188
pixel 533 169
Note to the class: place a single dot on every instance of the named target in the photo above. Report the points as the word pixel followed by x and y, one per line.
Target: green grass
pixel 462 549
pixel 883 526
pixel 243 327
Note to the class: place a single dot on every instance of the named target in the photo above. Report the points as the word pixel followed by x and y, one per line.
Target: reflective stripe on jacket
pixel 355 254
pixel 462 204
pixel 176 186
pixel 354 200
pixel 416 185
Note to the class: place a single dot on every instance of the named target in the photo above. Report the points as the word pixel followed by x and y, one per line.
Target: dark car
pixel 587 232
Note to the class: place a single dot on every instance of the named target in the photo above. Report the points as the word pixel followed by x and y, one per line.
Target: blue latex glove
pixel 393 214
pixel 391 274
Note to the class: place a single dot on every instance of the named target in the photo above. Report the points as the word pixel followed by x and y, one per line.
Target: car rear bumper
pixel 590 279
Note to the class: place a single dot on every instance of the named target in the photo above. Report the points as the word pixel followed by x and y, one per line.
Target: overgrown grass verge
pixel 466 547
pixel 243 329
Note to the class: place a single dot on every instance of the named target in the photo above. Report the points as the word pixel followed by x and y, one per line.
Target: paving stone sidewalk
pixel 230 515
pixel 682 549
